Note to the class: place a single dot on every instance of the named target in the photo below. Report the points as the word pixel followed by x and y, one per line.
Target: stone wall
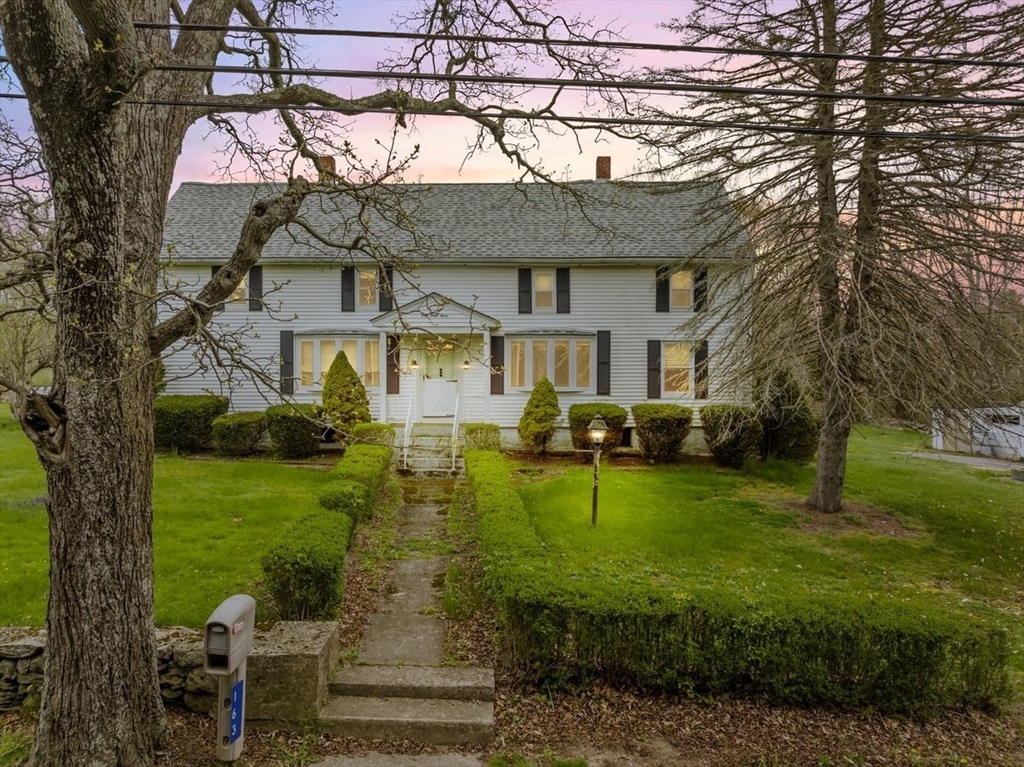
pixel 287 671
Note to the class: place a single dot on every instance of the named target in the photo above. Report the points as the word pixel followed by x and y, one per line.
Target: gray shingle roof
pixel 467 223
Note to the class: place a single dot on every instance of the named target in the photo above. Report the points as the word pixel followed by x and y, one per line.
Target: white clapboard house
pixel 495 285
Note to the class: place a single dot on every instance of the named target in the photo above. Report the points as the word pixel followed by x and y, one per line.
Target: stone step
pixel 437 720
pixel 443 682
pixel 403 760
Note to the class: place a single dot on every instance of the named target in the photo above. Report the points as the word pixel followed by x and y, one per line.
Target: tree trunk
pixel 101 645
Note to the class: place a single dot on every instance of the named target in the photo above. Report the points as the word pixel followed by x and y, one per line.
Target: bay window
pixel 565 361
pixel 317 353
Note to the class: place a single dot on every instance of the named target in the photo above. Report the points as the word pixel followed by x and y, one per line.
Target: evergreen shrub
pixel 813 650
pixel 185 421
pixel 580 417
pixel 239 433
pixel 347 496
pixel 304 570
pixel 537 424
pixel 373 434
pixel 295 430
pixel 368 465
pixel 482 436
pixel 661 430
pixel 732 433
pixel 789 431
pixel 345 400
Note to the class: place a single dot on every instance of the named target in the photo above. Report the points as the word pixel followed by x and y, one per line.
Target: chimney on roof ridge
pixel 326 167
pixel 604 168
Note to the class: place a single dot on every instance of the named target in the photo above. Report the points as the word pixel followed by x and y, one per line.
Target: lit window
pixel 543 290
pixel 367 287
pixel 517 366
pixel 681 290
pixel 566 362
pixel 676 368
pixel 316 355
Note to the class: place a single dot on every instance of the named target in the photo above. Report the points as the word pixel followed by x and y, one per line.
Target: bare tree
pixel 111 94
pixel 885 226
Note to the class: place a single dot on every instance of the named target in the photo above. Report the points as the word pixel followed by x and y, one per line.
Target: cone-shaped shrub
pixel 345 400
pixel 539 417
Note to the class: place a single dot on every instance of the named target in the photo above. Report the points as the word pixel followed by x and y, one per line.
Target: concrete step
pixel 438 721
pixel 443 682
pixel 403 760
pixel 403 638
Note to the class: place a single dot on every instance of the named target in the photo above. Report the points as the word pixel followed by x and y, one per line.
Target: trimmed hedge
pixel 370 466
pixel 580 417
pixel 373 434
pixel 482 436
pixel 347 496
pixel 185 421
pixel 568 628
pixel 239 433
pixel 661 430
pixel 295 430
pixel 304 572
pixel 732 433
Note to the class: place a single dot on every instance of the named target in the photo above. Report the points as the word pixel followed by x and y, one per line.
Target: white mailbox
pixel 227 642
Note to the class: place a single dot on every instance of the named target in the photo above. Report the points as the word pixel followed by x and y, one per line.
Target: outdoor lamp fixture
pixel 465 365
pixel 414 365
pixel 598 429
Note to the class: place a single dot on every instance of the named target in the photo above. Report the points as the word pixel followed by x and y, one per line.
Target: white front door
pixel 440 382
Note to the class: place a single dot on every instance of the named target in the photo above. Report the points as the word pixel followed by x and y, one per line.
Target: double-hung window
pixel 543 291
pixel 681 289
pixel 565 361
pixel 367 288
pixel 316 353
pixel 676 372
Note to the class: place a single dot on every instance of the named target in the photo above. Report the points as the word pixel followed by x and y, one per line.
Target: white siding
pixel 308 298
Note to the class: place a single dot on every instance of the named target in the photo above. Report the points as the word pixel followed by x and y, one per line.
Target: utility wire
pixel 633 85
pixel 579 43
pixel 578 120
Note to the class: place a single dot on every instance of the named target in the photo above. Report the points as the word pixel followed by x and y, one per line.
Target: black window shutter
pixel 392 361
pixel 348 289
pixel 385 275
pixel 654 370
pixel 604 362
pixel 287 362
pixel 562 290
pixel 526 291
pixel 497 364
pixel 661 289
pixel 213 273
pixel 256 289
pixel 700 289
pixel 700 371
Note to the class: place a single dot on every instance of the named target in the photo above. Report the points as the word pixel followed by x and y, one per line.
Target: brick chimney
pixel 604 168
pixel 325 165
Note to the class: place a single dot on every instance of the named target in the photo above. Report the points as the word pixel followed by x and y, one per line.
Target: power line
pixel 579 43
pixel 579 120
pixel 637 85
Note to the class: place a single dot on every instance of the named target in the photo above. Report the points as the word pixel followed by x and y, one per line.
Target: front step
pixel 445 682
pixel 439 721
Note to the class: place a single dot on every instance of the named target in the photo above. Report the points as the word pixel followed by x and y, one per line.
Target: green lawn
pixel 207 513
pixel 960 542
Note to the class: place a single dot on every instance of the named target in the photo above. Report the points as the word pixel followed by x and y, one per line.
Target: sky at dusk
pixel 445 141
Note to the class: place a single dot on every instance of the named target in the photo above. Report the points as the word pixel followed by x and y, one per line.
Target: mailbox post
pixel 228 639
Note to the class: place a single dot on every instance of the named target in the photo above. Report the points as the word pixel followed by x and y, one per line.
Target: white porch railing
pixel 407 434
pixel 455 432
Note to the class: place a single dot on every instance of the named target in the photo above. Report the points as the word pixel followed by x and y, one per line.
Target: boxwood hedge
pixel 661 430
pixel 824 650
pixel 185 421
pixel 295 430
pixel 239 433
pixel 368 465
pixel 580 417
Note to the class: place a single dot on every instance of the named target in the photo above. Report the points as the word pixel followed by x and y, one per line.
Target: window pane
pixel 371 357
pixel 367 287
pixel 543 290
pixel 306 363
pixel 517 364
pixel 583 364
pixel 561 363
pixel 682 290
pixel 540 361
pixel 350 349
pixel 677 368
pixel 242 291
pixel 327 353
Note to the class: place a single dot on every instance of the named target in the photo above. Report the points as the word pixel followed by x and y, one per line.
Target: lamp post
pixel 598 428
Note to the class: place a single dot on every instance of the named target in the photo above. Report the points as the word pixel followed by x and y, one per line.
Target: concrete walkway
pixel 398 687
pixel 977 461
